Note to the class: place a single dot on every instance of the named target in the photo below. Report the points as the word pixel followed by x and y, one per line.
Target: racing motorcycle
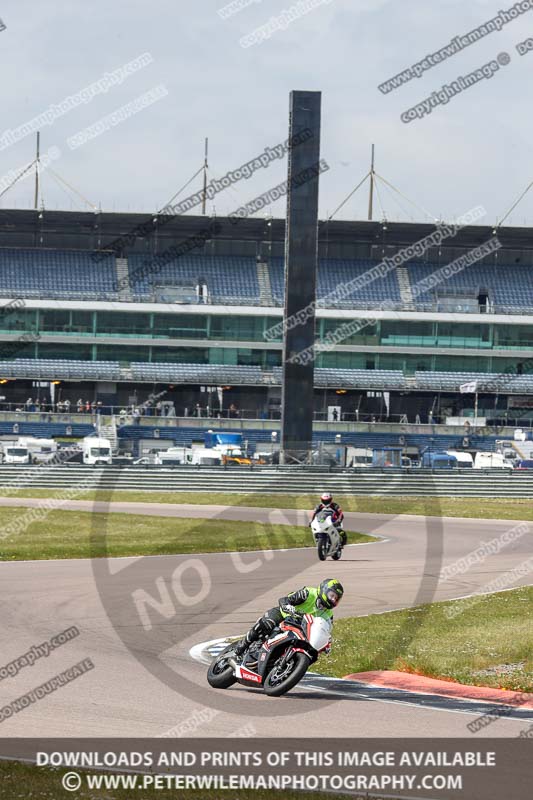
pixel 326 535
pixel 278 663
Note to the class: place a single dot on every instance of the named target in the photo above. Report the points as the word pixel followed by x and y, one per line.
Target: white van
pixel 491 461
pixel 464 460
pixel 96 450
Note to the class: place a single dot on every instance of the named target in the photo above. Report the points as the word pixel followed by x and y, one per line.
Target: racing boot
pixel 343 538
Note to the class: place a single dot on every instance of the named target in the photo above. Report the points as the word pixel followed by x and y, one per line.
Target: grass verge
pixel 473 507
pixel 481 641
pixel 67 534
pixel 18 781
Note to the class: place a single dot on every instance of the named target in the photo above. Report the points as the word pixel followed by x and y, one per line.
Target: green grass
pixel 67 534
pixel 25 782
pixel 482 633
pixel 474 507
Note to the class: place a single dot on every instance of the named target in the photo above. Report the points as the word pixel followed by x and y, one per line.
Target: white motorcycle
pixel 326 535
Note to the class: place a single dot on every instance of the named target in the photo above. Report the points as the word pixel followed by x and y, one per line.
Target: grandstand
pixel 114 319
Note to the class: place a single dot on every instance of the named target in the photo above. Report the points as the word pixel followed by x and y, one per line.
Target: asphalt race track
pixel 145 681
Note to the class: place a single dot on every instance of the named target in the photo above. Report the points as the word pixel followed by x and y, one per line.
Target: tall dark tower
pixel 301 253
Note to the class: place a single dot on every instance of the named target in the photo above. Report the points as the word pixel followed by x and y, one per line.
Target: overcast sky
pixel 474 150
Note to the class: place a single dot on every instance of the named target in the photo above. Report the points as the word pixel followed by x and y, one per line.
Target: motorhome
pixel 41 450
pixel 96 450
pixel 13 453
pixel 491 461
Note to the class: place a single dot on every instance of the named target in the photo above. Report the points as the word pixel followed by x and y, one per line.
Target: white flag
pixel 468 388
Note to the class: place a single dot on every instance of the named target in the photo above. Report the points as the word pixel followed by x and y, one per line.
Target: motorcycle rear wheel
pixel 221 677
pixel 274 687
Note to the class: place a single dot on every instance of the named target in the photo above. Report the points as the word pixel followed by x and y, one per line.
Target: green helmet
pixel 330 593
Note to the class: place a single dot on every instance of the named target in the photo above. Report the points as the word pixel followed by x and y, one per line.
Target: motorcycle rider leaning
pixel 326 501
pixel 316 600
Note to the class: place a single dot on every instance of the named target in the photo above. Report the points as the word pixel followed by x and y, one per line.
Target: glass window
pixel 367 334
pixel 407 333
pixel 126 354
pixel 76 352
pixel 16 319
pixel 122 323
pixel 180 326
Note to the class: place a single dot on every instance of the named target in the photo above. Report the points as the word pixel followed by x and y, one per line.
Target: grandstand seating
pixel 494 382
pixel 228 278
pixel 48 368
pixel 197 373
pixel 509 285
pixel 250 375
pixel 56 273
pixel 42 272
pixel 333 273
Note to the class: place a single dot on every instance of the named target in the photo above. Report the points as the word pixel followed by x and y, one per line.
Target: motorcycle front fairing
pixel 289 632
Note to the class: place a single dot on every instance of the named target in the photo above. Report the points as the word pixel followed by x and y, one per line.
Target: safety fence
pixel 263 480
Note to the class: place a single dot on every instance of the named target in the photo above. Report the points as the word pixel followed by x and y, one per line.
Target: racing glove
pixel 289 609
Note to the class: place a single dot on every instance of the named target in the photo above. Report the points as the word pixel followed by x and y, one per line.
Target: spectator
pixel 198 410
pixel 29 404
pixel 158 407
pixel 79 406
pixel 66 406
pixel 88 406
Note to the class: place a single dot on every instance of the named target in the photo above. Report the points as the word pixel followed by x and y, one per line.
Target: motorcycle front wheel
pixel 322 548
pixel 220 675
pixel 282 678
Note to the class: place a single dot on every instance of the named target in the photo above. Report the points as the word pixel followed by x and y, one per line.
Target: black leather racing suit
pixel 270 619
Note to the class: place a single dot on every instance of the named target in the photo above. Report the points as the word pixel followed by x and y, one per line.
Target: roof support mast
pixel 371 192
pixel 205 175
pixel 36 198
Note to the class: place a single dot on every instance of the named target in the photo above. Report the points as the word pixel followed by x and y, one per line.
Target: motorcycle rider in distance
pixel 316 600
pixel 326 501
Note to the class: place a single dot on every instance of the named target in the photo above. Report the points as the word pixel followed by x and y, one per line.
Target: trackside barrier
pixel 262 480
